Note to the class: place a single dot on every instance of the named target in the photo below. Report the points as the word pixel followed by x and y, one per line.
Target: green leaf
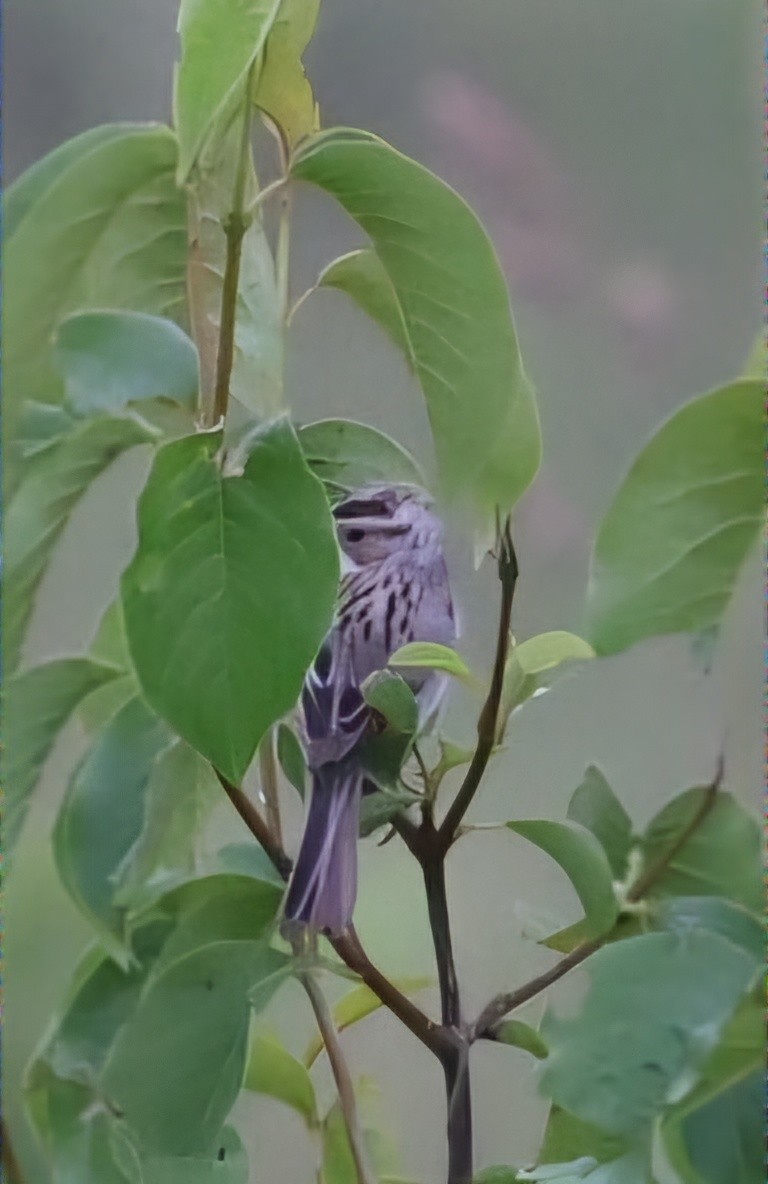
pixel 684 914
pixel 567 1138
pixel 721 858
pixel 338 1164
pixel 220 41
pixel 42 504
pixel 291 757
pixel 355 1006
pixel 529 661
pixel 454 306
pixel 283 91
pixel 726 1103
pixel 102 815
pixel 180 794
pixel 362 276
pixel 108 232
pixel 669 550
pixel 164 1041
pixel 656 1007
pixel 496 1175
pixel 38 702
pixel 228 1166
pixel 595 806
pixel 583 860
pixel 348 454
pixel 248 859
pixel 256 380
pixel 390 695
pixel 28 189
pixel 430 655
pixel 111 359
pixel 380 807
pixel 273 1071
pixel 521 1035
pixel 219 616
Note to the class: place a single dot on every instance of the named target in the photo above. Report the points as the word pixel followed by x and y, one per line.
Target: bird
pixel 394 590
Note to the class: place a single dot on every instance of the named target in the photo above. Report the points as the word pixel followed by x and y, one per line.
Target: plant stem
pixel 268 769
pixel 486 724
pixel 342 1077
pixel 256 825
pixel 495 1011
pixel 235 226
pixel 455 1058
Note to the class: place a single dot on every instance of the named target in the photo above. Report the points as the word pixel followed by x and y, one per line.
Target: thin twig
pixel 268 770
pixel 486 724
pixel 256 825
pixel 342 1077
pixel 235 226
pixel 503 1004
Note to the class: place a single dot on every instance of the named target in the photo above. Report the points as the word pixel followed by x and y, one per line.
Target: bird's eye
pixel 354 536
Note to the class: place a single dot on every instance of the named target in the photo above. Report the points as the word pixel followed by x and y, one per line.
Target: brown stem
pixel 348 946
pixel 268 770
pixel 486 724
pixel 256 825
pixel 495 1011
pixel 343 1079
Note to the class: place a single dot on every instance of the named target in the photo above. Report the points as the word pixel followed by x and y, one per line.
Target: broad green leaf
pixel 655 1009
pixel 528 664
pixel 521 1035
pixel 180 794
pixel 38 702
pixel 78 1134
pixel 683 914
pixel 27 190
pixel 40 426
pixel 669 550
pixel 595 806
pixel 248 859
pixel 109 232
pixel 390 695
pixel 291 758
pixel 229 1165
pixel 230 592
pixel 256 378
pixel 164 1040
pixel 41 505
pixel 220 41
pixel 496 1175
pixel 191 1025
pixel 362 276
pixel 721 857
pixel 282 90
pixel 631 1168
pixel 109 645
pixel 430 655
pixel 583 860
pixel 111 359
pixel 272 1070
pixel 715 1132
pixel 567 1137
pixel 103 813
pixel 355 1006
pixel 347 454
pixel 455 310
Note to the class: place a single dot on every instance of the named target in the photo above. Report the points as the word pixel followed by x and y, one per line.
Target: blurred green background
pixel 613 150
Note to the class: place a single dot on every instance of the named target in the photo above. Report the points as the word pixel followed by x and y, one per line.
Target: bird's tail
pixel 323 887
